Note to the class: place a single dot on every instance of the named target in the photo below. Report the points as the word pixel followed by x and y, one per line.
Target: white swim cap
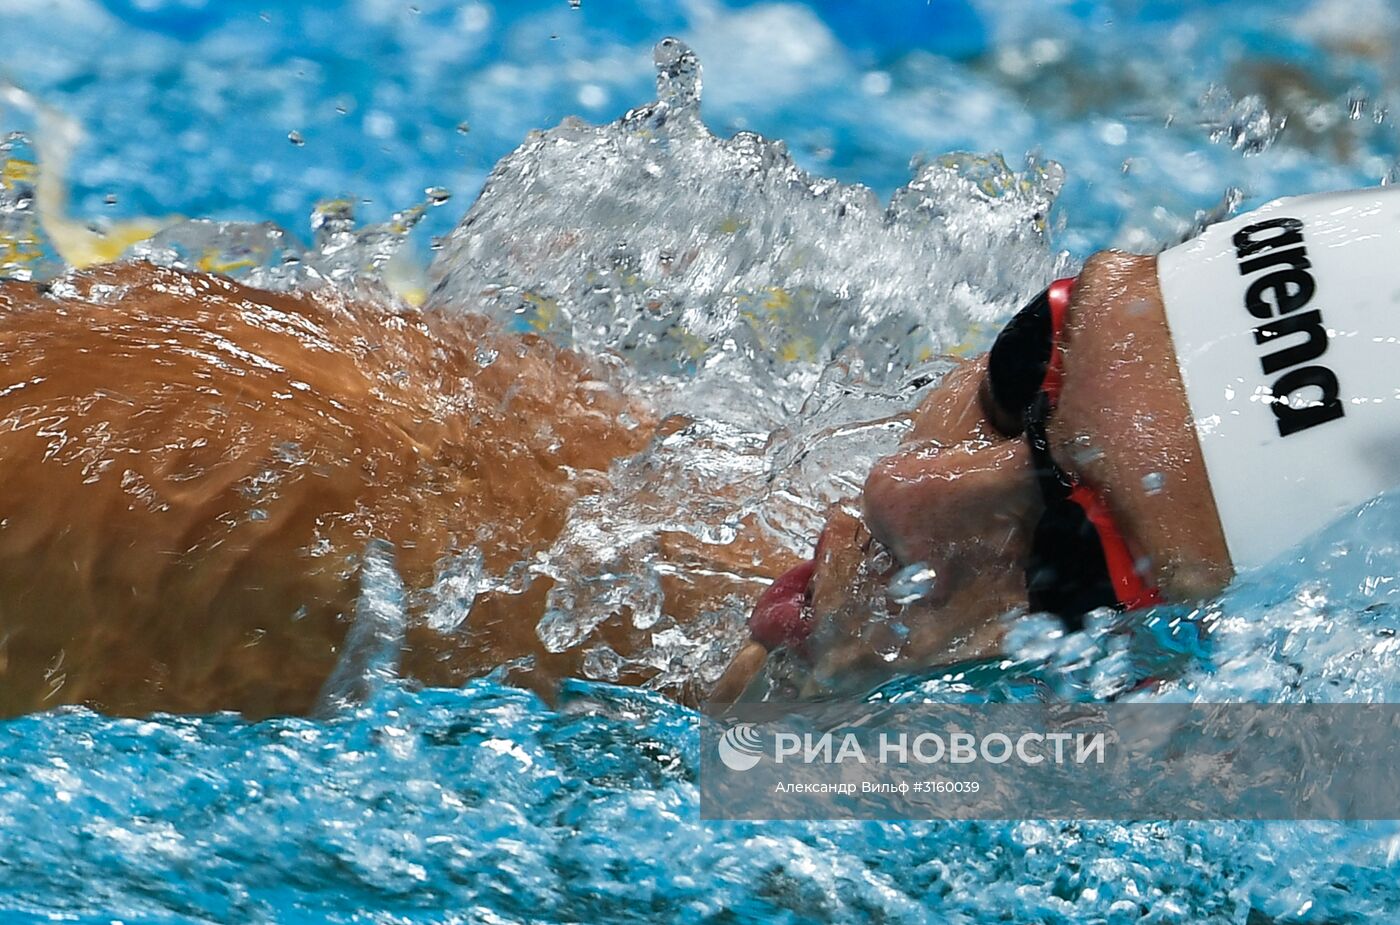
pixel 1286 323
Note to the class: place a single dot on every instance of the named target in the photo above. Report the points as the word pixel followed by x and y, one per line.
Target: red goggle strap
pixel 1058 297
pixel 1130 588
pixel 1129 585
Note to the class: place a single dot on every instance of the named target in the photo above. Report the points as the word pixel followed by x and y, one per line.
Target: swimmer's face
pixel 955 505
pixel 960 499
pixel 953 510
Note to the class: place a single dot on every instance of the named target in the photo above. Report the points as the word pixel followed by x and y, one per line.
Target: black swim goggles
pixel 1080 560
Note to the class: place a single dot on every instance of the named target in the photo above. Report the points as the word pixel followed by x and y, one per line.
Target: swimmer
pixel 196 477
pixel 1135 435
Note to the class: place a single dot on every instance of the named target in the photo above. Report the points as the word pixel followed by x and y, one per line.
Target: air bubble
pixel 1154 482
pixel 295 138
pixel 437 195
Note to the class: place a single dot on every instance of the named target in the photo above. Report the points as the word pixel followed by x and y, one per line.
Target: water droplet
pixel 380 124
pixel 485 356
pixel 295 138
pixel 437 195
pixel 1244 124
pixel 1114 133
pixel 575 4
pixel 1357 106
pixel 1085 453
pixel 1154 482
pixel 592 96
pixel 110 199
pixel 912 583
pixel 887 639
pixel 602 663
pixel 677 73
pixel 463 128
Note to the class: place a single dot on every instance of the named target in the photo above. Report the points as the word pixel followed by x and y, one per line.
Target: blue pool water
pixel 484 804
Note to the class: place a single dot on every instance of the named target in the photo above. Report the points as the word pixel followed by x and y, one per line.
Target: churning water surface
pixel 791 297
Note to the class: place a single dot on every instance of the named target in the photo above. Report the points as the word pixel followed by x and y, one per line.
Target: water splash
pixel 1244 124
pixel 610 560
pixel 24 250
pixel 784 315
pixel 1317 625
pixel 359 260
pixel 721 261
pixel 373 648
pixel 486 802
pixel 677 80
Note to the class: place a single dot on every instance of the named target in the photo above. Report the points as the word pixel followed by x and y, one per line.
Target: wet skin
pixel 192 470
pixel 960 497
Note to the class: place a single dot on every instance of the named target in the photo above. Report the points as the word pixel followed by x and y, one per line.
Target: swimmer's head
pixel 975 498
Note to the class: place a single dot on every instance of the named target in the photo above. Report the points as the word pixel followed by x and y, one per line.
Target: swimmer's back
pixel 190 471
